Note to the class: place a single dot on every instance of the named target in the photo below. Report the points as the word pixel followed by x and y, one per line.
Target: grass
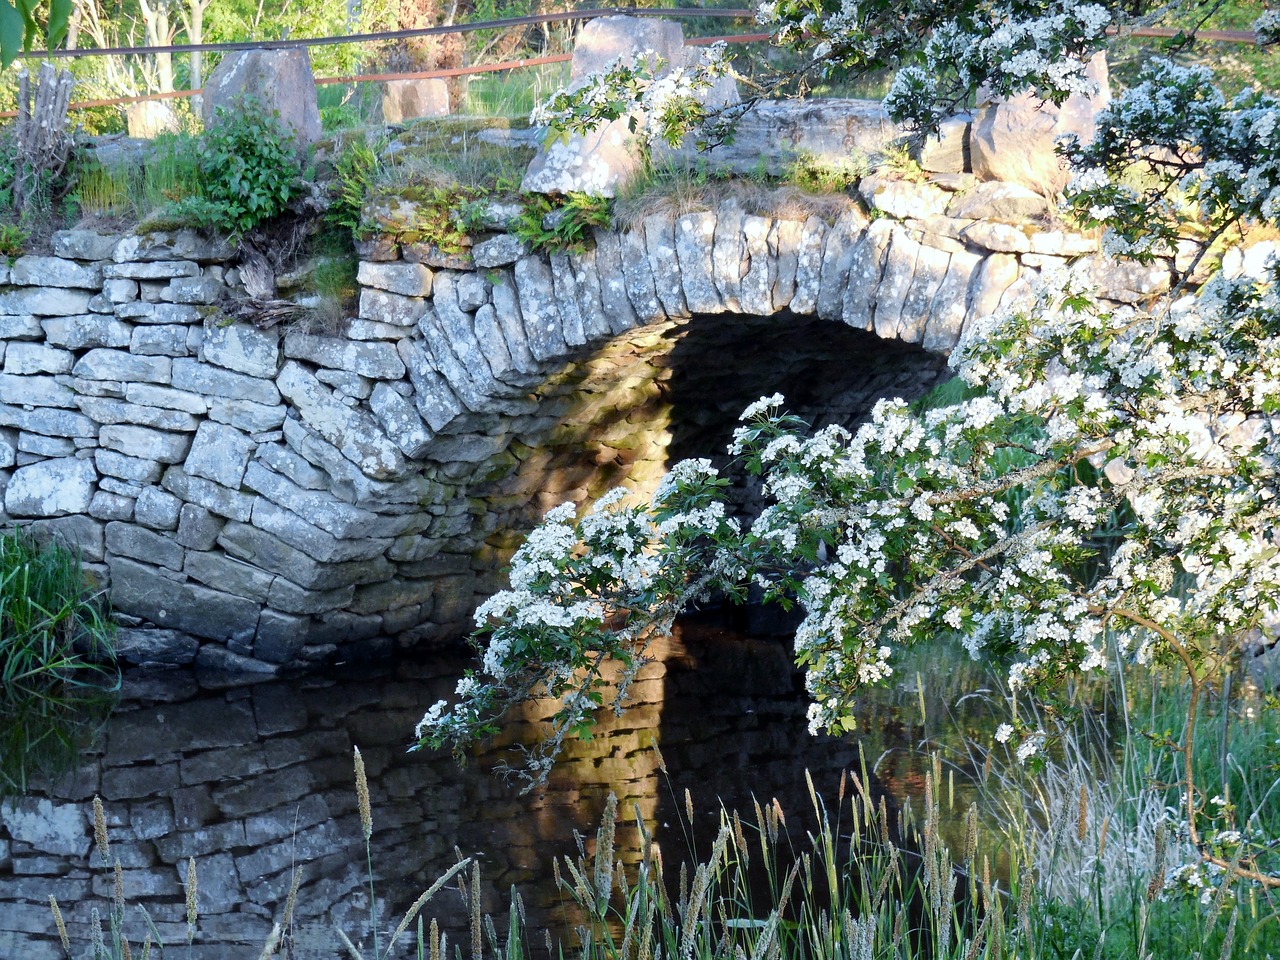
pixel 171 173
pixel 57 678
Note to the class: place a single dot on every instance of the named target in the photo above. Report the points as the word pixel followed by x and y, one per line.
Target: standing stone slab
pixel 494 345
pixel 946 317
pixel 638 276
pixel 694 239
pixel 997 273
pixel 242 348
pixel 434 399
pixel 280 80
pixel 565 285
pixel 51 488
pixel 899 270
pixel 660 241
pixel 506 308
pixel 613 283
pixel 865 271
pixel 784 250
pixel 728 256
pixel 458 327
pixel 542 324
pixel 930 269
pixel 586 277
pixel 354 433
pixel 837 259
pixel 475 387
pixel 813 240
pixel 755 292
pixel 400 420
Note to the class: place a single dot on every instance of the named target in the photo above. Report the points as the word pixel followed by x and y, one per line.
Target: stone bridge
pixel 261 497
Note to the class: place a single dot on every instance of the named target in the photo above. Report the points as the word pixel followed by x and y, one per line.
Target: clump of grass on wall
pixel 57 671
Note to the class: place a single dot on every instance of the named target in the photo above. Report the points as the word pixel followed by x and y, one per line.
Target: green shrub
pixel 561 223
pixel 249 169
pixel 354 171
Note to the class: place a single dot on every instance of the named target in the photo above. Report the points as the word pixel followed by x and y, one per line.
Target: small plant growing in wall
pixel 250 171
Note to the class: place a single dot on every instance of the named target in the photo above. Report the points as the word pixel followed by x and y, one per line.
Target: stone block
pixel 200 378
pixel 144 443
pixel 279 80
pixel 20 328
pixel 35 391
pixel 110 506
pixel 86 332
pixel 499 251
pixel 83 244
pixel 405 279
pixel 105 364
pixel 78 531
pixel 53 828
pixel 253 418
pixel 229 574
pixel 23 358
pixel 123 269
pixel 161 340
pixel 946 151
pixel 171 245
pixel 392 308
pixel 44 301
pixel 219 453
pixel 114 464
pixel 998 200
pixel 291 598
pixel 166 398
pixel 157 509
pixel 51 488
pixel 198 529
pixel 32 271
pixel 140 591
pixel 408 99
pixel 399 418
pixel 105 410
pixel 202 290
pixel 130 540
pixel 280 636
pixel 242 348
pixel 205 493
pixel 375 360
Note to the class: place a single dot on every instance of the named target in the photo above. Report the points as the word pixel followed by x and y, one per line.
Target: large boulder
pixel 597 162
pixel 280 80
pixel 1013 139
pixel 407 99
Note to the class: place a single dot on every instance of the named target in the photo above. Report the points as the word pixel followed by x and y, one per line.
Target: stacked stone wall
pixel 258 497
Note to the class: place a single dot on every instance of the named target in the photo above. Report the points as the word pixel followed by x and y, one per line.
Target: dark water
pixel 254 782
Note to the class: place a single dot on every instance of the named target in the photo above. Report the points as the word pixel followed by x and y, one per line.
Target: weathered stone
pixel 472 291
pixel 49 422
pixel 998 200
pixel 149 395
pixel 1061 244
pixel 110 506
pixel 105 364
pixel 506 306
pixel 354 433
pixel 36 391
pixel 565 286
pixel 946 151
pixel 866 267
pixel 346 383
pixel 930 270
pixel 205 493
pixel 159 341
pixel 21 328
pixel 493 343
pixel 80 532
pixel 83 244
pixel 586 281
pixel 997 237
pixel 229 574
pixel 400 419
pixel 613 283
pixel 664 263
pixel 390 308
pixel 1127 281
pixel 114 464
pixel 129 540
pixel 219 453
pixel 149 270
pixel 316 543
pixel 157 509
pixel 269 552
pixel 594 163
pixel 31 271
pixel 784 251
pixel 899 269
pixel 280 636
pixel 755 291
pixel 186 244
pixel 950 304
pixel 156 647
pixel 406 279
pixel 902 198
pixel 140 591
pixel 499 251
pixel 433 256
pixel 289 464
pixel 1014 140
pixel 22 358
pixel 538 308
pixel 996 274
pixel 62 829
pixel 809 251
pixel 44 301
pixel 279 80
pixel 252 418
pixel 291 598
pixel 694 239
pixel 242 348
pixel 376 360
pixel 195 377
pixel 320 508
pixel 837 258
pixel 358 329
pixel 120 290
pixel 198 529
pixel 195 290
pixel 434 399
pixel 86 332
pixel 105 410
pixel 144 443
pixel 51 488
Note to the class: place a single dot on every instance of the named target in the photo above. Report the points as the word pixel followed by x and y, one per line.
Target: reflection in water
pixel 252 781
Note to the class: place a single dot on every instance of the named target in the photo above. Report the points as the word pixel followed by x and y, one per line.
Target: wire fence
pixel 501 24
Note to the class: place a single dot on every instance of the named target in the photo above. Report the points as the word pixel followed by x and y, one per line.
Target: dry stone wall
pixel 253 498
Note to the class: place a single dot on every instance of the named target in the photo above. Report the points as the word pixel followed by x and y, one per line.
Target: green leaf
pixel 27 8
pixel 11 33
pixel 59 18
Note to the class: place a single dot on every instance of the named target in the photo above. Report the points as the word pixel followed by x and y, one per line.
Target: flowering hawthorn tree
pixel 1109 484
